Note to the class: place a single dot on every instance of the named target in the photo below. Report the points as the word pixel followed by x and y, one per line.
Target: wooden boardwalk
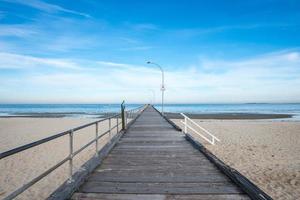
pixel 154 161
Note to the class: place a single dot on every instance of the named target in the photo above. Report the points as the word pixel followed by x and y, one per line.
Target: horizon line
pixel 82 103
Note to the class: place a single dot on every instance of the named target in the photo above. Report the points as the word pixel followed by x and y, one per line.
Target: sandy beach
pixel 22 167
pixel 233 67
pixel 266 152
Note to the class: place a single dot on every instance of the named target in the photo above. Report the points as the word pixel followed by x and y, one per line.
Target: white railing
pixel 132 114
pixel 187 126
pixel 120 118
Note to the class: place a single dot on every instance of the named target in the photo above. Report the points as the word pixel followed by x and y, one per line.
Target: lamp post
pixel 162 84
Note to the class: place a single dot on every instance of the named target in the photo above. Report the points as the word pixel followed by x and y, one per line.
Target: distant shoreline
pixel 220 116
pixel 231 116
pixel 251 110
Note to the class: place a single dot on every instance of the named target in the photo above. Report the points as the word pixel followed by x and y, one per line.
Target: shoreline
pixel 59 115
pixel 230 116
pixel 170 115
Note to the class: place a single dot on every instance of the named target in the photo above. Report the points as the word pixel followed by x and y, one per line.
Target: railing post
pixel 109 124
pixel 71 157
pixel 96 139
pixel 213 141
pixel 117 124
pixel 123 115
pixel 185 124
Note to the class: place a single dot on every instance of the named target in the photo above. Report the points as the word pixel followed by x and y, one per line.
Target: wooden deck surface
pixel 154 161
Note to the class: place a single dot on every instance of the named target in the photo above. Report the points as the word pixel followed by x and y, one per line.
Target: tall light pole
pixel 162 84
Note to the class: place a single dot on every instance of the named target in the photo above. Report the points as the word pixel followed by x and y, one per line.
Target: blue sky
pixel 96 51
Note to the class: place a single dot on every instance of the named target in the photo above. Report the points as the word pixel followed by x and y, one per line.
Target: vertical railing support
pixel 68 159
pixel 185 124
pixel 126 118
pixel 71 157
pixel 96 139
pixel 123 115
pixel 117 124
pixel 109 125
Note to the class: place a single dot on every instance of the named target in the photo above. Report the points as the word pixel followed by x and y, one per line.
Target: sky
pixel 89 51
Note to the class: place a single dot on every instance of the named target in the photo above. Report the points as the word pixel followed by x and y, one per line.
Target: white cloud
pixel 267 78
pixel 69 42
pixel 113 64
pixel 18 61
pixel 46 7
pixel 191 32
pixel 17 30
pixel 278 65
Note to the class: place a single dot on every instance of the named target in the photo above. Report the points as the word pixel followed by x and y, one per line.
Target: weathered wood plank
pixel 158 167
pixel 150 126
pixel 132 177
pixel 160 188
pixel 98 196
pixel 156 156
pixel 154 143
pixel 156 151
pixel 156 170
pixel 153 135
pixel 155 146
pixel 153 160
pixel 153 152
pixel 152 140
pixel 166 167
pixel 154 128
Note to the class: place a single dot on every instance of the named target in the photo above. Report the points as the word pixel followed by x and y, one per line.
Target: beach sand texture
pixel 22 167
pixel 266 152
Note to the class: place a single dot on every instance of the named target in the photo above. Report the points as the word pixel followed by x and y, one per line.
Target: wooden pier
pixel 148 157
pixel 154 160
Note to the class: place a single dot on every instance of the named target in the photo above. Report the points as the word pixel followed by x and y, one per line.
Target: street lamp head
pixel 162 84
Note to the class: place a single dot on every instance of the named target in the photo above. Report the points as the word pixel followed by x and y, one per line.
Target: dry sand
pixel 22 167
pixel 266 152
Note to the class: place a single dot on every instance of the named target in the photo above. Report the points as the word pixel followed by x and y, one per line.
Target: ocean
pixel 96 110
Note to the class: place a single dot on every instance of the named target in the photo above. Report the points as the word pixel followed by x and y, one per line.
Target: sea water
pixel 91 110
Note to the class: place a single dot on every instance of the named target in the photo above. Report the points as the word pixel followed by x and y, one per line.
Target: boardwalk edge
pixel 66 190
pixel 244 183
pixel 168 120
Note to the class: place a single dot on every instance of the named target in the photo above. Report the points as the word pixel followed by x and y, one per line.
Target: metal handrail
pixel 47 139
pixel 71 154
pixel 186 126
pixel 130 113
